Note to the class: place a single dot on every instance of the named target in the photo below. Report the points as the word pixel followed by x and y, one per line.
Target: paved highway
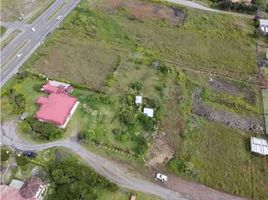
pixel 21 48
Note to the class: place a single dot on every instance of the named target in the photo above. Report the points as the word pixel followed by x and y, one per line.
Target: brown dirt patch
pixel 230 119
pixel 148 11
pixel 196 191
pixel 220 85
pixel 263 78
pixel 160 151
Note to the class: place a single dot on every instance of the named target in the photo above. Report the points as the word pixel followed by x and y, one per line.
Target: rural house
pixel 32 189
pixel 58 107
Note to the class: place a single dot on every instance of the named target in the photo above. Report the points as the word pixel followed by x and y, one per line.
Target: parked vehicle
pixel 59 17
pixel 29 154
pixel 161 177
pixel 33 29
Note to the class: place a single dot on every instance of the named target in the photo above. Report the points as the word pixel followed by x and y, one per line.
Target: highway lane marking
pixel 56 12
pixel 11 58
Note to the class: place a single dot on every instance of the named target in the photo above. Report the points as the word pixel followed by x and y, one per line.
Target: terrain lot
pixel 12 10
pixel 112 50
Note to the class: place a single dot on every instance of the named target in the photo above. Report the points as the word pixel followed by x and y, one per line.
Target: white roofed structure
pixel 148 112
pixel 259 146
pixel 138 100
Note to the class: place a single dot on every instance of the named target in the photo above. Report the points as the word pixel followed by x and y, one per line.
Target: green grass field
pixel 102 51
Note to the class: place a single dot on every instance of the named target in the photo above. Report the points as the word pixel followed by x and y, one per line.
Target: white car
pixel 161 177
pixel 59 17
pixel 19 55
pixel 33 29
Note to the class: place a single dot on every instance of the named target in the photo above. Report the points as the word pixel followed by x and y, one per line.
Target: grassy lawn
pixel 111 54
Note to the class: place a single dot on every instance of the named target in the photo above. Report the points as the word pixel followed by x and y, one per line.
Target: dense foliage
pixel 73 180
pixel 238 7
pixel 44 130
pixel 4 154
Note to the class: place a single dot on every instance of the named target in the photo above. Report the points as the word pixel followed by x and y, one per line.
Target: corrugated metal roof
pixel 259 146
pixel 264 22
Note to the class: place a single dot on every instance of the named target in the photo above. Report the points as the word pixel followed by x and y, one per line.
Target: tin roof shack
pixel 148 112
pixel 259 146
pixel 263 25
pixel 57 87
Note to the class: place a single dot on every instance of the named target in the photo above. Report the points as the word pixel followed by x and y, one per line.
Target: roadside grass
pixel 42 8
pixel 12 10
pixel 3 30
pixel 12 35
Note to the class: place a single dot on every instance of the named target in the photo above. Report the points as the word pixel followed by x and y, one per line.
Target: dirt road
pixel 184 190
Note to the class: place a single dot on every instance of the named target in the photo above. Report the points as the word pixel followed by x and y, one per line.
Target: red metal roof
pixel 55 108
pixel 10 193
pixel 56 87
pixel 30 187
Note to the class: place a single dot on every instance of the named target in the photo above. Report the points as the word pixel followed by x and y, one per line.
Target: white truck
pixel 161 177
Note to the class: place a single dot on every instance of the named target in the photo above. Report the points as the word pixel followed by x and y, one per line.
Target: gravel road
pixel 184 190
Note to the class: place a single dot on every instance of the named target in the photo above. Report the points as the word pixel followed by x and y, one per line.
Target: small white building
pixel 264 25
pixel 259 146
pixel 138 100
pixel 148 112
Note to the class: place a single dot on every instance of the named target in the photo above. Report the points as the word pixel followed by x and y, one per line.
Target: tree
pixel 4 154
pixel 136 86
pixel 21 160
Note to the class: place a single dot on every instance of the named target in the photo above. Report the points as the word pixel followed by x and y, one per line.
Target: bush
pixel 147 122
pixel 21 160
pixel 137 86
pixel 127 116
pixel 45 130
pixel 238 7
pixel 141 145
pixel 4 155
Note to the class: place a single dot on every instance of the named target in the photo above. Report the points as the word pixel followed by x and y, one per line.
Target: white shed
pixel 259 146
pixel 138 100
pixel 148 112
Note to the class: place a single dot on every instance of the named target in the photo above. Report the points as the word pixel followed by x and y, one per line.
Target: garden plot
pixel 232 120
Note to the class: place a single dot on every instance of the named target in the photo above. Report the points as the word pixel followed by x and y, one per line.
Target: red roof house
pixel 32 189
pixel 56 108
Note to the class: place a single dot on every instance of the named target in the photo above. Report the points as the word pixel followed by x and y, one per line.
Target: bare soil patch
pixel 220 85
pixel 263 78
pixel 196 191
pixel 230 119
pixel 148 11
pixel 161 150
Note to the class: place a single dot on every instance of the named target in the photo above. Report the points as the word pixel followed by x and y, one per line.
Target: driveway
pixel 120 175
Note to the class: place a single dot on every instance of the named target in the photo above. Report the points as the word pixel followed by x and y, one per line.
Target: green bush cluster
pixel 44 130
pixel 18 100
pixel 238 7
pixel 4 155
pixel 80 181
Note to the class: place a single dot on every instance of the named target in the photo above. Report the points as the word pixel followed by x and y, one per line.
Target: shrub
pixel 21 160
pixel 45 130
pixel 147 122
pixel 4 155
pixel 127 116
pixel 137 86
